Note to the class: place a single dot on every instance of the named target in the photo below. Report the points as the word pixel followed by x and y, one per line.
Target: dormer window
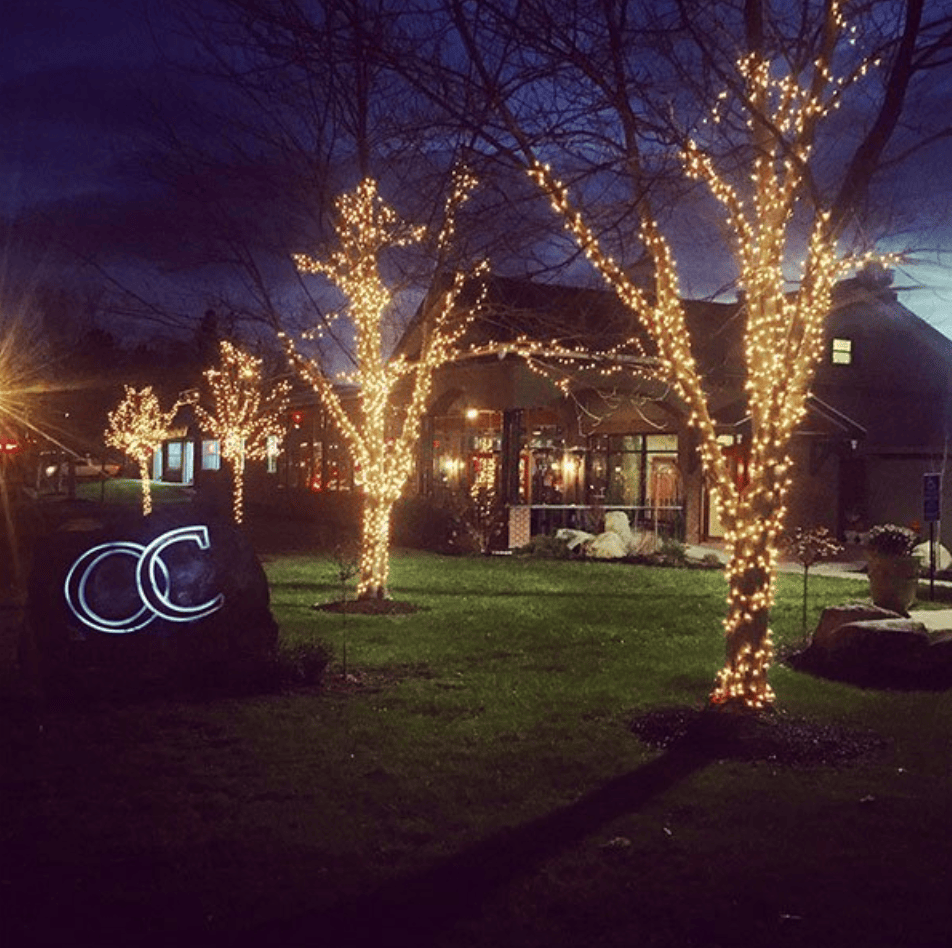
pixel 841 352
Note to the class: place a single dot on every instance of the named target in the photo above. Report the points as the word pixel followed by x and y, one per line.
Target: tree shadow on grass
pixel 419 909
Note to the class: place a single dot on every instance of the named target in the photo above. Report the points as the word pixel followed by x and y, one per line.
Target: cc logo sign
pixel 152 580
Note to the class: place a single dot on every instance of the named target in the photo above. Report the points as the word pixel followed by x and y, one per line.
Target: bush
pixel 301 665
pixel 673 553
pixel 423 523
pixel 546 547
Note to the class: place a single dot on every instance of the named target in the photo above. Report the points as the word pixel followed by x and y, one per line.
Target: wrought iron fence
pixel 666 522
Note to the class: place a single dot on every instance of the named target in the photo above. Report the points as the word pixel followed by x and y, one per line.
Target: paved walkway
pixel 936 620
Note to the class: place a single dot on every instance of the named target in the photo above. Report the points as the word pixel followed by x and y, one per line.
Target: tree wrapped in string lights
pixel 137 427
pixel 382 436
pixel 247 422
pixel 782 105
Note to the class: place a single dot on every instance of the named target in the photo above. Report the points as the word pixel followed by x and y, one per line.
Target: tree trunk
pixel 751 574
pixel 146 488
pixel 375 549
pixel 238 491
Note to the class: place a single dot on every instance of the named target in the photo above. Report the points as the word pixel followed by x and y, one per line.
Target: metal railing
pixel 666 521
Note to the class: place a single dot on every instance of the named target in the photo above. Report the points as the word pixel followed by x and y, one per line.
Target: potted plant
pixel 893 570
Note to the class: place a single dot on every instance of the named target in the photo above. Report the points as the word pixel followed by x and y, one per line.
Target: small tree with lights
pixel 382 436
pixel 137 427
pixel 247 422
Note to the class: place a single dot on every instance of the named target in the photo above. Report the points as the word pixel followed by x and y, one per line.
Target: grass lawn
pixel 476 783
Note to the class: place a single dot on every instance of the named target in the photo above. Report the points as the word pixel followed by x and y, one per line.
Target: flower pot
pixel 893 581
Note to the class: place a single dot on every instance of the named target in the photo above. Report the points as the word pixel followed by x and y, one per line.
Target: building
pixel 878 418
pixel 559 449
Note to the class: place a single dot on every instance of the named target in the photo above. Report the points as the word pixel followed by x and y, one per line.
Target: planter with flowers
pixel 893 570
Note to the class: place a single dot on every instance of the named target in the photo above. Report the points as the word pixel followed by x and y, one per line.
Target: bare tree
pixel 382 437
pixel 246 419
pixel 137 427
pixel 785 114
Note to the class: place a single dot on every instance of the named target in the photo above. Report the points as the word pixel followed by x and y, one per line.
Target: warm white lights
pixel 137 427
pixel 382 438
pixel 783 339
pixel 247 422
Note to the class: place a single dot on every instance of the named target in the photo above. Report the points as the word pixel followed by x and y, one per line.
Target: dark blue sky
pixel 72 72
pixel 76 80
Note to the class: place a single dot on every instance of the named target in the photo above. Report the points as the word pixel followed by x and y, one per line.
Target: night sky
pixel 77 81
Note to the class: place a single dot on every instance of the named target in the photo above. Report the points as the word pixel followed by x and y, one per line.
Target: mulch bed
pixel 775 737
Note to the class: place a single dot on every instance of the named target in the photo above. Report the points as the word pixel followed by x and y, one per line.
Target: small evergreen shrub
pixel 301 665
pixel 424 523
pixel 673 553
pixel 546 547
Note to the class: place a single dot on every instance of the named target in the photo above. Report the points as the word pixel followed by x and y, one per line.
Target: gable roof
pixel 579 317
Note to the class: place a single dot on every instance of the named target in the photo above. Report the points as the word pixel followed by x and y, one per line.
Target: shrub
pixel 673 553
pixel 546 547
pixel 424 523
pixel 301 665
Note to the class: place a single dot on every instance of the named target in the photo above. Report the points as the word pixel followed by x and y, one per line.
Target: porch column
pixel 425 457
pixel 509 466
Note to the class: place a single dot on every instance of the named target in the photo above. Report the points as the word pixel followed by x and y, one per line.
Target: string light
pixel 137 427
pixel 247 424
pixel 382 438
pixel 783 336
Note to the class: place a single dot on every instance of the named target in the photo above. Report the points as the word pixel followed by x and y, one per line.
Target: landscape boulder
pixel 606 546
pixel 573 538
pixel 865 645
pixel 131 605
pixel 616 521
pixel 943 558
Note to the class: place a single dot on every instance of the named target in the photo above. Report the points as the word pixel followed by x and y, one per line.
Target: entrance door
pixel 737 456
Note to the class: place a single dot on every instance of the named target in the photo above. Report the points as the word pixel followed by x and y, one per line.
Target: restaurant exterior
pixel 561 451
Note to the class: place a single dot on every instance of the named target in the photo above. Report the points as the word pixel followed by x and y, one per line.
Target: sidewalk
pixel 935 620
pixel 854 567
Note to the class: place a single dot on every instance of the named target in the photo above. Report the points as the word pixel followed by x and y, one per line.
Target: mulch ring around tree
pixel 773 737
pixel 368 607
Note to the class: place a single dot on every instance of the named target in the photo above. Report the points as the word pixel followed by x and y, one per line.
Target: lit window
pixel 842 352
pixel 175 456
pixel 272 451
pixel 211 456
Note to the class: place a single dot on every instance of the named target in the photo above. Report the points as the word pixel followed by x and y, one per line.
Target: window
pixel 842 352
pixel 174 456
pixel 211 456
pixel 272 450
pixel 634 470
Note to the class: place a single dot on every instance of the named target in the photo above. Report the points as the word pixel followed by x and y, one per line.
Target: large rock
pixel 573 538
pixel 836 617
pixel 606 546
pixel 616 521
pixel 943 558
pixel 166 603
pixel 865 645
